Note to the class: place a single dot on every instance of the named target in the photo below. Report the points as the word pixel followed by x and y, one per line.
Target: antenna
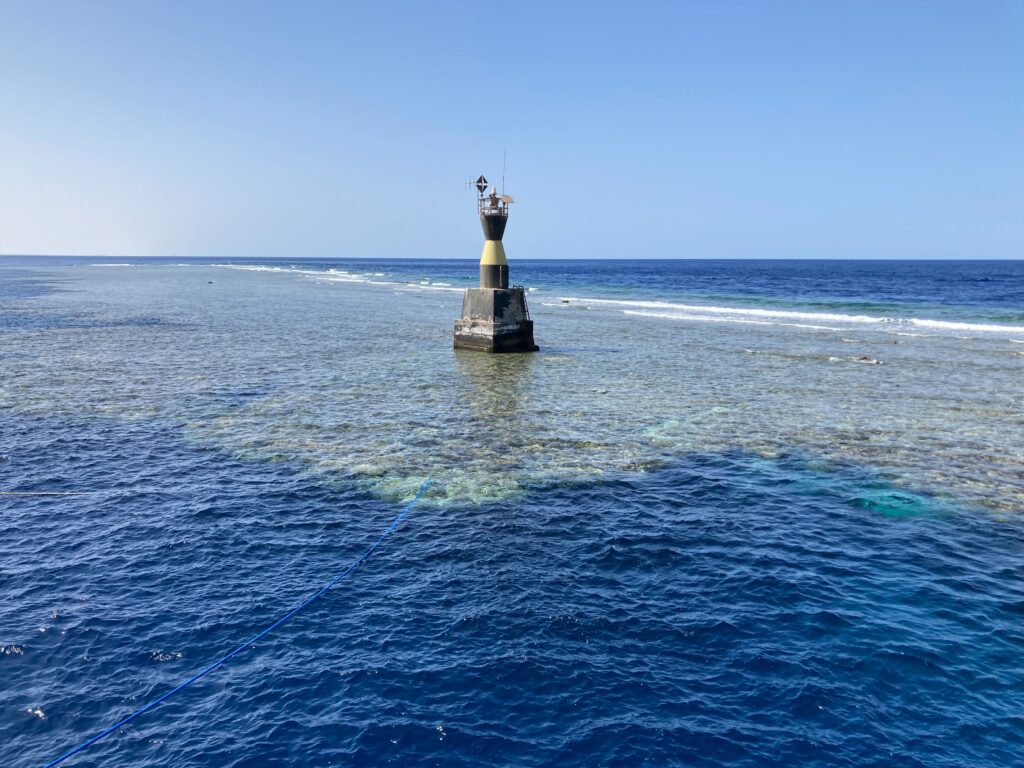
pixel 504 157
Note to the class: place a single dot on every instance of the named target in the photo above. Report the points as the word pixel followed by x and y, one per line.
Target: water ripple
pixel 630 556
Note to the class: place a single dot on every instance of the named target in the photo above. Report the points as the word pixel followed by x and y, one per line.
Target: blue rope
pixel 207 670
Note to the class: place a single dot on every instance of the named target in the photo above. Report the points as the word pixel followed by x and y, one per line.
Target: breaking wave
pixel 814 320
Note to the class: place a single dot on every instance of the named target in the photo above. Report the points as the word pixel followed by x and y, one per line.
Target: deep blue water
pixel 708 605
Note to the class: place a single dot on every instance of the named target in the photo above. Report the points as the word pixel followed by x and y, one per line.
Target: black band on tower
pixel 494 275
pixel 494 226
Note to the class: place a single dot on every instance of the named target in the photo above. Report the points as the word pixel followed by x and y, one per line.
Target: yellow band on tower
pixel 493 254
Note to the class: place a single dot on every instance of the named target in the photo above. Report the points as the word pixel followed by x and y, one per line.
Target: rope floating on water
pixel 208 669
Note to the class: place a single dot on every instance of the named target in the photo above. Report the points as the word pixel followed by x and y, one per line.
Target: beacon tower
pixel 494 316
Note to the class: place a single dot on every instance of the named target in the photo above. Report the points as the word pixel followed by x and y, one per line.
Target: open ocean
pixel 702 527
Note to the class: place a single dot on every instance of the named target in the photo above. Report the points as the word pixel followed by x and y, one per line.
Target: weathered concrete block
pixel 495 320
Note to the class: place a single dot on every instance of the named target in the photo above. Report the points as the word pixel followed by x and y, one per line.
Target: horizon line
pixel 473 259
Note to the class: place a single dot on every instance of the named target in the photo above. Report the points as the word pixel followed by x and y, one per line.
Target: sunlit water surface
pixel 757 514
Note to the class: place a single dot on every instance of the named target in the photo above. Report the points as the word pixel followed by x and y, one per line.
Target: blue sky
pixel 714 129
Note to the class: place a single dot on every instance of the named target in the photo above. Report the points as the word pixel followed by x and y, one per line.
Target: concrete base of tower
pixel 495 320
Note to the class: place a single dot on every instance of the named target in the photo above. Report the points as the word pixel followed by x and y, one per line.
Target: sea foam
pixel 711 313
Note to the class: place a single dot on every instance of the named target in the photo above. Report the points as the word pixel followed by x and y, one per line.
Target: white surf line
pixel 707 319
pixel 335 275
pixel 705 310
pixel 332 275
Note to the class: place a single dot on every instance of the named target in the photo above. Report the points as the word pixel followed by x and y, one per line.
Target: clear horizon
pixel 695 130
pixel 468 259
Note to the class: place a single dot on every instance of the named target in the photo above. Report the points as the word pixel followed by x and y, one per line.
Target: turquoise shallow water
pixel 349 372
pixel 695 529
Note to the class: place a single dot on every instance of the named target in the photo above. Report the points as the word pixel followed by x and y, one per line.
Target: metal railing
pixel 488 210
